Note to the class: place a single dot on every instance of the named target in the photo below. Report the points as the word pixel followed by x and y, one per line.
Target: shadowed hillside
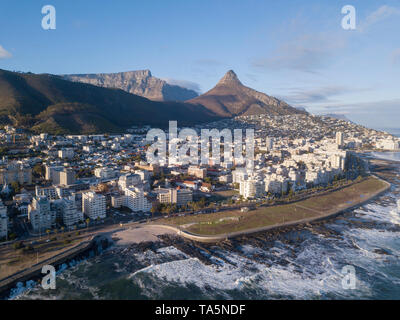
pixel 47 103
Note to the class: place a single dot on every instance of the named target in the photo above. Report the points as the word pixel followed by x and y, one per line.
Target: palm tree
pixel 48 233
pixel 87 223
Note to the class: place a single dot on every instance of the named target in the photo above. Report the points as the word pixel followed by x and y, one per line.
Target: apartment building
pixel 67 177
pixel 40 214
pixel 136 200
pixel 94 205
pixel 171 195
pixel 104 173
pixel 53 173
pixel 252 189
pixel 200 173
pixel 70 214
pixel 66 153
pixel 16 171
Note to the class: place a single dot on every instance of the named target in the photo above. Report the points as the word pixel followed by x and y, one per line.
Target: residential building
pixel 104 173
pixel 16 171
pixel 40 214
pixel 53 173
pixel 67 177
pixel 70 214
pixel 136 200
pixel 339 139
pixel 66 153
pixel 252 189
pixel 200 173
pixel 94 205
pixel 171 195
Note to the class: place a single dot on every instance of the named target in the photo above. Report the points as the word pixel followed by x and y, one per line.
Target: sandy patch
pixel 139 234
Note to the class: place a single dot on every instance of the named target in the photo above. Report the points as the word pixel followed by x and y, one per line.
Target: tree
pixel 38 170
pixel 87 223
pixel 153 210
pixel 16 186
pixel 48 233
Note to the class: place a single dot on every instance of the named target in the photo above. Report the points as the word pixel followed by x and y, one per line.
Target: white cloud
pixel 184 83
pixel 299 96
pixel 307 53
pixel 375 114
pixel 382 13
pixel 4 54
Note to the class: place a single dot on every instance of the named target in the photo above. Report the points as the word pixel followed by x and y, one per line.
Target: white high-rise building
pixel 3 221
pixel 94 205
pixel 40 215
pixel 53 173
pixel 252 189
pixel 339 139
pixel 129 180
pixel 136 200
pixel 67 177
pixel 239 175
pixel 338 162
pixel 70 215
pixel 49 192
pixel 104 173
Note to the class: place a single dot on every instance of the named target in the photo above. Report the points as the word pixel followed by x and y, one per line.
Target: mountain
pixel 338 116
pixel 48 103
pixel 141 83
pixel 231 98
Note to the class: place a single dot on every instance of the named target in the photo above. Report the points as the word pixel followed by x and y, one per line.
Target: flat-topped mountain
pixel 48 103
pixel 231 98
pixel 140 82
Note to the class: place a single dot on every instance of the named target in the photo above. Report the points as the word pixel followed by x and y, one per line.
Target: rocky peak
pixel 229 78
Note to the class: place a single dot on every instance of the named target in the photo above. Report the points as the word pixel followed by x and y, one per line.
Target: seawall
pixel 35 272
pixel 276 227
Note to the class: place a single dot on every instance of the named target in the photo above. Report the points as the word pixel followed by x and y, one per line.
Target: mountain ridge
pixel 231 98
pixel 48 103
pixel 138 82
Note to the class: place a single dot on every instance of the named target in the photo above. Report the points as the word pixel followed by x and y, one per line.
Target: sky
pixel 294 50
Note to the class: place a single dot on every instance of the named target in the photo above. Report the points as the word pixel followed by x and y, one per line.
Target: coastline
pixel 150 232
pixel 329 214
pixel 35 272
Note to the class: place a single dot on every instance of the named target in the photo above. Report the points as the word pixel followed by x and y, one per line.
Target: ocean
pixel 298 264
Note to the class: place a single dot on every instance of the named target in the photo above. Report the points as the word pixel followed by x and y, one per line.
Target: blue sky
pixel 295 50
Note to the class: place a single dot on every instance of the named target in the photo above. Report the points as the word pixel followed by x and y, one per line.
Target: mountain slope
pixel 141 83
pixel 231 98
pixel 48 103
